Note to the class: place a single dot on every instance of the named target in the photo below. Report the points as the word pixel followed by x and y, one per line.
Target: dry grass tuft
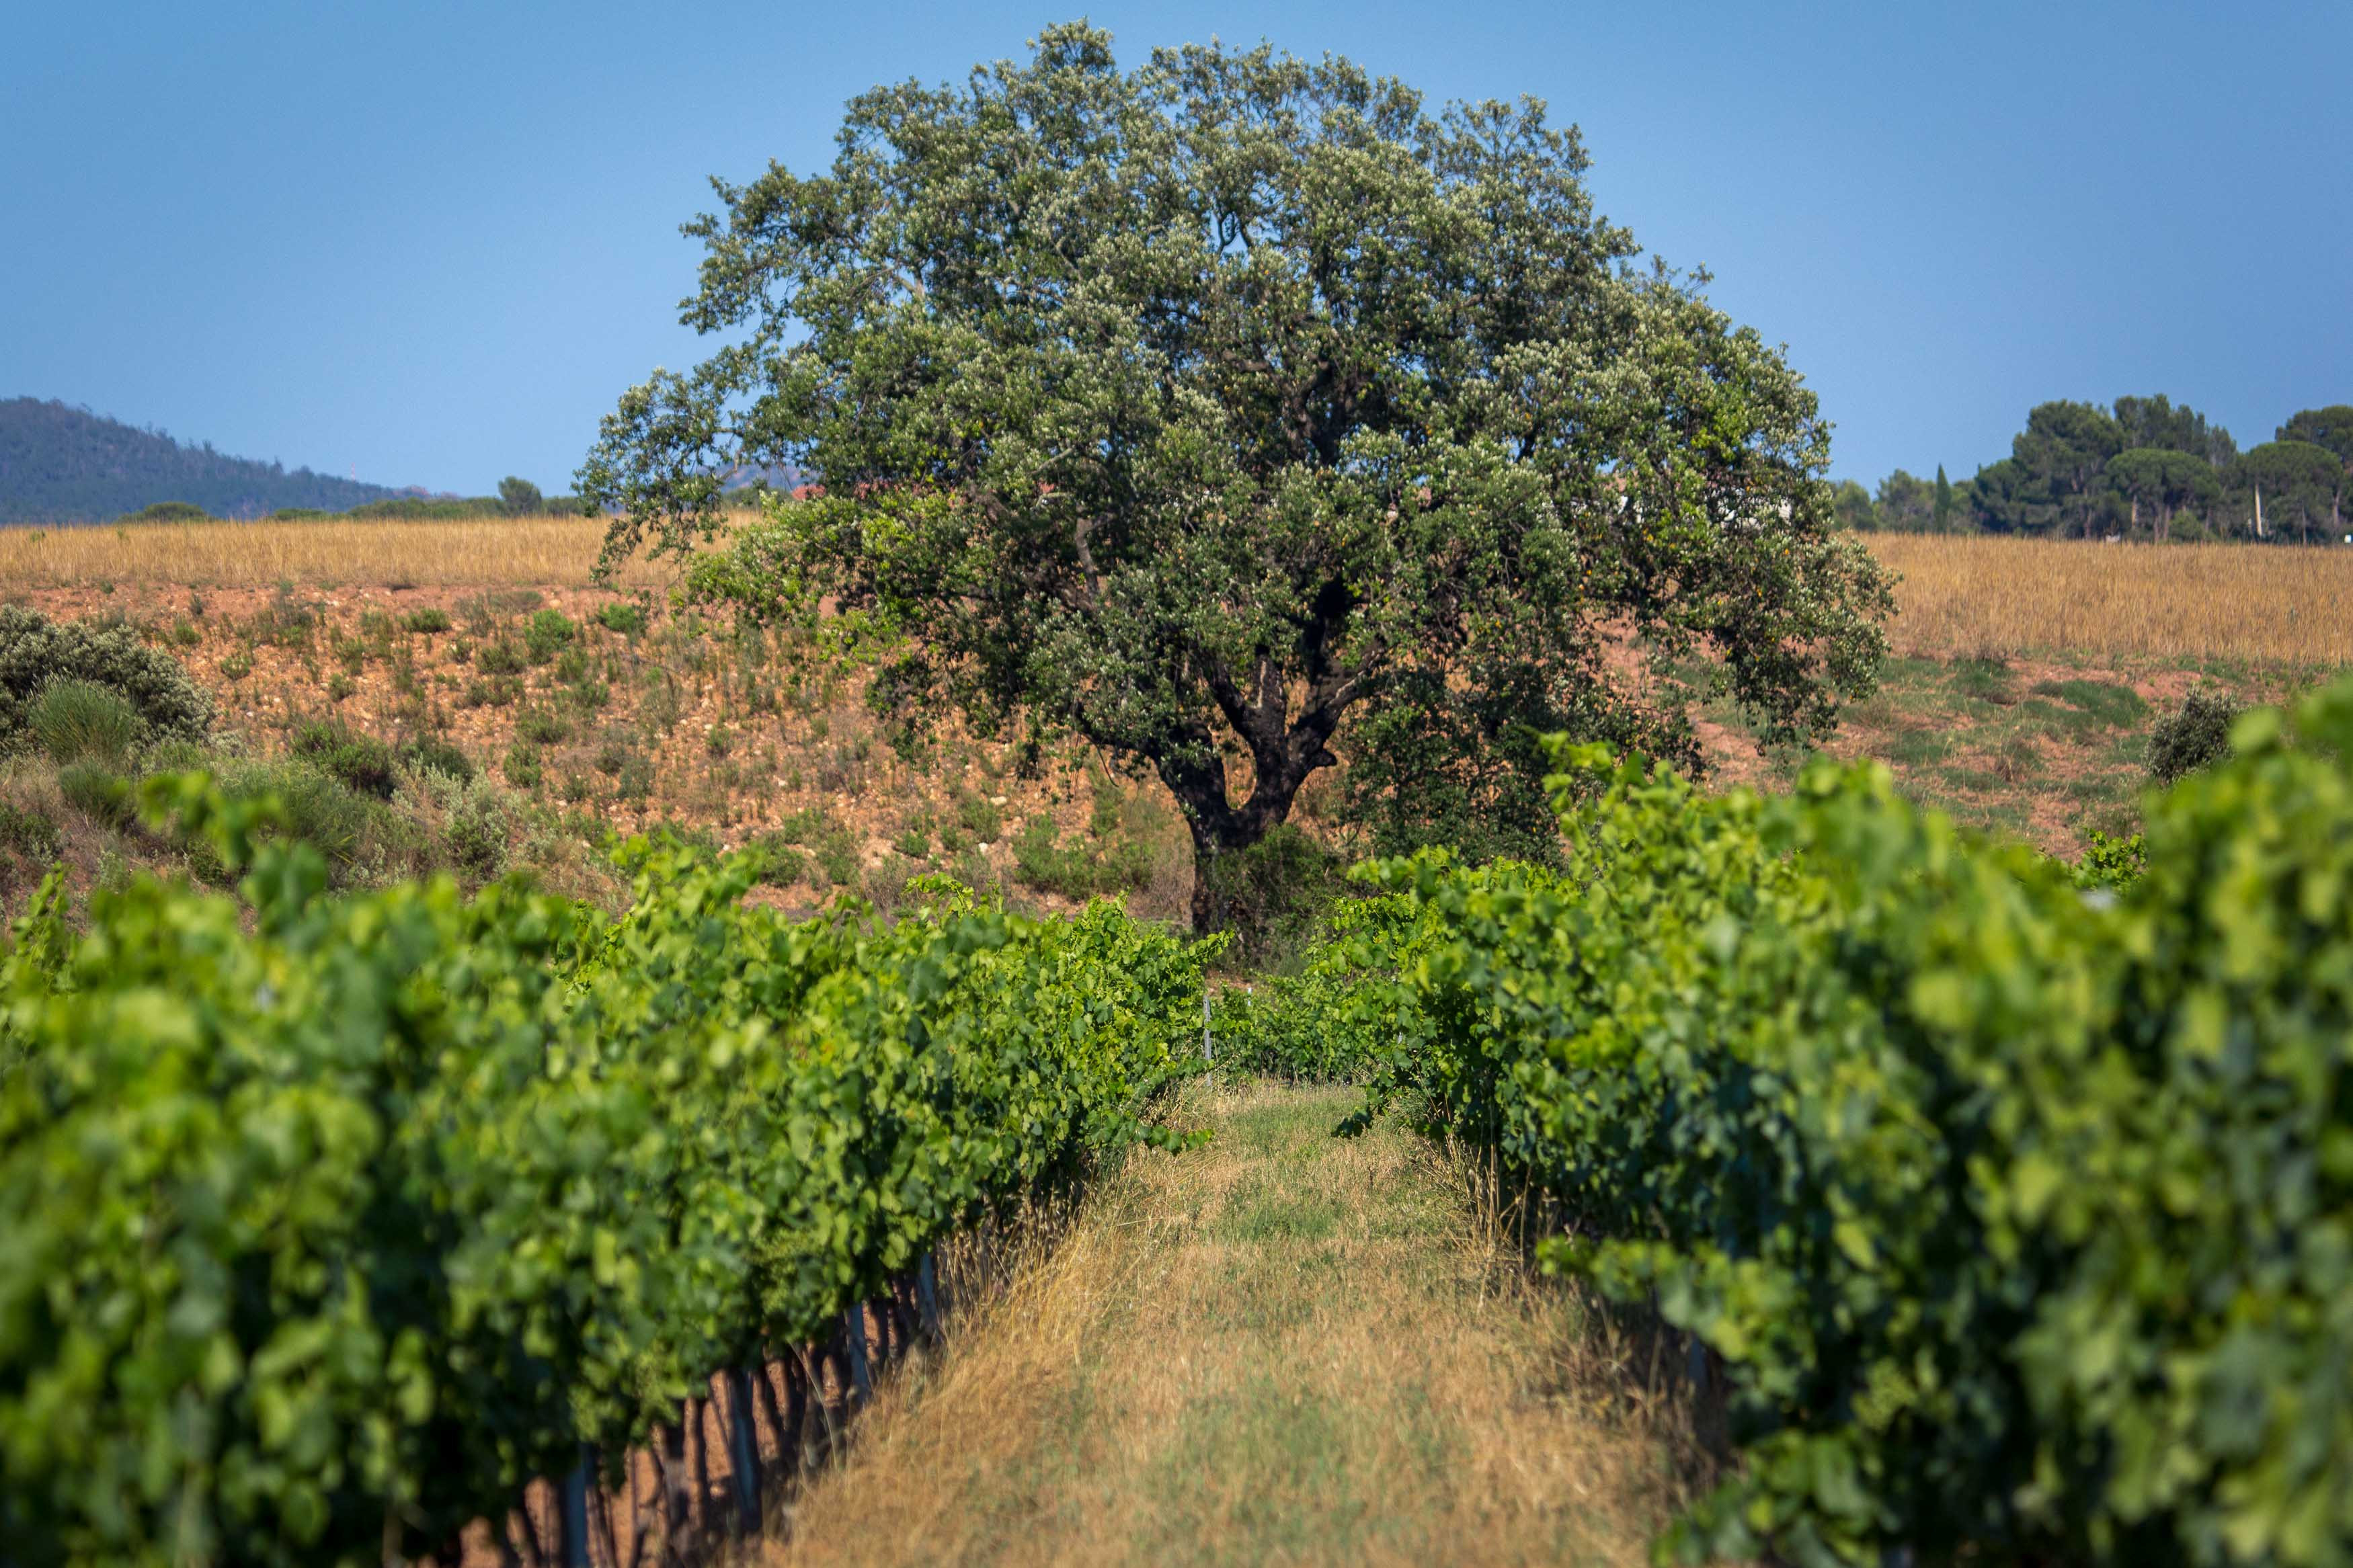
pixel 1280 1347
pixel 1972 594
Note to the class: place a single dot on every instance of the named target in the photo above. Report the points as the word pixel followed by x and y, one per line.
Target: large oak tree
pixel 1236 408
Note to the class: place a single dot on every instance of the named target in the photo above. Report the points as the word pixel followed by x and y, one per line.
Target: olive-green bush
pixel 36 653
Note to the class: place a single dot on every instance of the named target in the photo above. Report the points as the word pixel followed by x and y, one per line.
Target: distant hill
pixel 63 464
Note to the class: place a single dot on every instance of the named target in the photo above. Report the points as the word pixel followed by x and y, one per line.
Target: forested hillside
pixel 63 464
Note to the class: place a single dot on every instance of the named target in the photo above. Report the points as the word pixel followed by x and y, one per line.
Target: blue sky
pixel 428 244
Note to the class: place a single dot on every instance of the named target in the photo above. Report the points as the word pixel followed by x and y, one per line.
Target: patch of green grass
pixel 1914 748
pixel 2098 700
pixel 1985 681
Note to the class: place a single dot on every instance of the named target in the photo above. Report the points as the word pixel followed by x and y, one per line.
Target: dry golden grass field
pixel 1971 596
pixel 485 552
pixel 1958 596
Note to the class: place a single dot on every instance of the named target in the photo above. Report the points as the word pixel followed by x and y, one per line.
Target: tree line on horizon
pixel 2145 468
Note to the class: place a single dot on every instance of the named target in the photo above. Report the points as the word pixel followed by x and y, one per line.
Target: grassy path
pixel 1281 1348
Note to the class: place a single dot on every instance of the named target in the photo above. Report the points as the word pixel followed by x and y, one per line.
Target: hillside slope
pixel 63 464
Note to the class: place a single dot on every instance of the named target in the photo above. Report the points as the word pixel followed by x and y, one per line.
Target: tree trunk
pixel 1220 828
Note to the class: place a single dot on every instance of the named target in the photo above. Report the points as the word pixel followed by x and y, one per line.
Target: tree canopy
pixel 1236 408
pixel 2081 470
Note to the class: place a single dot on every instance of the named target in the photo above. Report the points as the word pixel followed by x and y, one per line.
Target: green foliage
pixel 72 719
pixel 2148 468
pixel 2010 1213
pixel 97 792
pixel 500 658
pixel 542 727
pixel 2331 428
pixel 476 827
pixel 428 509
pixel 36 653
pixel 331 1229
pixel 979 816
pixel 781 864
pixel 1261 401
pixel 426 621
pixel 359 762
pixel 2111 863
pixel 494 692
pixel 424 754
pixel 167 511
pixel 548 632
pixel 1271 895
pixel 627 619
pixel 1081 869
pixel 27 833
pixel 2302 486
pixel 520 498
pixel 1323 1023
pixel 2100 701
pixel 523 766
pixel 2196 735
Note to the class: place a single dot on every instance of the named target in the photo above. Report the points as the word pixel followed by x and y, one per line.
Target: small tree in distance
pixel 520 498
pixel 1236 408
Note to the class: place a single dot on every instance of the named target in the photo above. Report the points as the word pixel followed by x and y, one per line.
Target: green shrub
pixel 547 633
pixel 499 657
pixel 625 618
pixel 73 720
pixel 520 498
pixel 635 780
pixel 299 514
pixel 1274 893
pixel 320 810
pixel 2196 736
pixel 1078 869
pixel 979 816
pixel 494 692
pixel 781 864
pixel 426 621
pixel 542 727
pixel 802 826
pixel 167 511
pixel 426 508
pixel 424 754
pixel 359 762
pixel 478 827
pixel 36 653
pixel 523 767
pixel 99 793
pixel 834 854
pixel 28 833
